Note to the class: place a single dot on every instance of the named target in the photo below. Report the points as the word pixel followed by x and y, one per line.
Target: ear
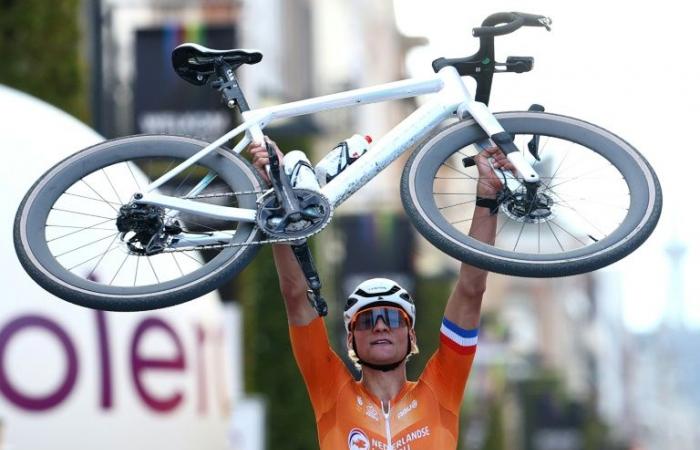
pixel 412 335
pixel 348 340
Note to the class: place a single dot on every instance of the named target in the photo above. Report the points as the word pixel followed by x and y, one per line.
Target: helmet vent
pixel 365 294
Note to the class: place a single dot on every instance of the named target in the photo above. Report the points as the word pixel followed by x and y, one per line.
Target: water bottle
pixel 338 159
pixel 300 171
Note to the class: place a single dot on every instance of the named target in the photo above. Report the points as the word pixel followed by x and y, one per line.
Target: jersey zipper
pixel 387 425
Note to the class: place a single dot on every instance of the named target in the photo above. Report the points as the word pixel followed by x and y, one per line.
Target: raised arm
pixel 291 279
pixel 464 305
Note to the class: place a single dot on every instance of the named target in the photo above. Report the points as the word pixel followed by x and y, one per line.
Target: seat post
pixel 230 89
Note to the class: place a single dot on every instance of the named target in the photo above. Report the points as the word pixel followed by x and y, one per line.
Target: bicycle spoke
pixel 73 226
pixel 189 173
pixel 457 204
pixel 602 233
pixel 136 272
pixel 148 259
pixel 85 245
pixel 99 195
pixel 561 163
pixel 119 269
pixel 472 178
pixel 569 233
pixel 191 257
pixel 102 257
pixel 83 214
pixel 177 264
pixel 112 185
pixel 567 200
pixel 89 259
pixel 555 237
pixel 128 166
pixel 517 240
pixel 91 227
pixel 91 198
pixel 504 221
pixel 584 176
pixel 527 214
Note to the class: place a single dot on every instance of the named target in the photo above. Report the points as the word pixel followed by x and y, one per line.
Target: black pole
pixel 97 84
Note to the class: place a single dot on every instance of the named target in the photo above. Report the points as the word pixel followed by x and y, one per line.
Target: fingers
pixel 260 158
pixel 259 155
pixel 498 159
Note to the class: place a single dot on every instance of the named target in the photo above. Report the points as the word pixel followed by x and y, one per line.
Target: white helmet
pixel 376 292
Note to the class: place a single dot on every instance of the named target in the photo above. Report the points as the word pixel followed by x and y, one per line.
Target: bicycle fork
pixel 504 142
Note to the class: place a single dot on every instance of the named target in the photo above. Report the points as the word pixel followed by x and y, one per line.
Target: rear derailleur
pixel 144 230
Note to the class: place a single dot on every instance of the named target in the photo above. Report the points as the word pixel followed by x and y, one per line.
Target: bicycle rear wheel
pixel 67 239
pixel 600 199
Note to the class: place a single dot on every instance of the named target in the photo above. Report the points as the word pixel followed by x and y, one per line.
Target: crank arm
pixel 282 186
pixel 306 262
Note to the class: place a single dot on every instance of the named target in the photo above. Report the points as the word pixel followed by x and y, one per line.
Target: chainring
pixel 273 221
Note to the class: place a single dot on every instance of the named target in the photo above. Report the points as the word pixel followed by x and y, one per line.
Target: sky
pixel 626 66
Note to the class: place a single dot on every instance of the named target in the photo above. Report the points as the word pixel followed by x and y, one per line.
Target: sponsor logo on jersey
pixel 372 412
pixel 407 409
pixel 357 440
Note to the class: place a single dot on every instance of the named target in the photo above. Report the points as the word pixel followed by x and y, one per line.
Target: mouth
pixel 381 342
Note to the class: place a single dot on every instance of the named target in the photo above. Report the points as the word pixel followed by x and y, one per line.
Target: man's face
pixel 381 344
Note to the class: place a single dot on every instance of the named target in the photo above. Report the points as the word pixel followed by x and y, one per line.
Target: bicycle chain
pixel 242 244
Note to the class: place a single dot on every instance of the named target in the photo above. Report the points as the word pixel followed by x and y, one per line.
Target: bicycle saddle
pixel 195 63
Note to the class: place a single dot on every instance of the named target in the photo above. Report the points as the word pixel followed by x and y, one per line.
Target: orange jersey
pixel 424 414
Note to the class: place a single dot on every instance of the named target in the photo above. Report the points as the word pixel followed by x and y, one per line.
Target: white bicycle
pixel 581 197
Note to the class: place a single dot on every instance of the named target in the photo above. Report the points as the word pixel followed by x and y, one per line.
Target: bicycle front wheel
pixel 67 237
pixel 598 201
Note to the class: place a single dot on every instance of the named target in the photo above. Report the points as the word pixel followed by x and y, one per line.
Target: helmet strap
pixel 381 367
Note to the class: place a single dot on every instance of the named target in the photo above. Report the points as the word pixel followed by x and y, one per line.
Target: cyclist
pixel 383 410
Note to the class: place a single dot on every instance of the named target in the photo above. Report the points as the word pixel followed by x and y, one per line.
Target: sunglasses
pixel 366 319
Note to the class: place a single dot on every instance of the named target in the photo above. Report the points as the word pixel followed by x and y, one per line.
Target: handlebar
pixel 492 25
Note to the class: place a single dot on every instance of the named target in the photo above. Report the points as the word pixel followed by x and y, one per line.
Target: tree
pixel 40 48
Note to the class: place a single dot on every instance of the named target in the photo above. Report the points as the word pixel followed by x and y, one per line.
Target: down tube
pixel 406 134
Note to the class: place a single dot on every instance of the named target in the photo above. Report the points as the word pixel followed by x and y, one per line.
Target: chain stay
pixel 242 244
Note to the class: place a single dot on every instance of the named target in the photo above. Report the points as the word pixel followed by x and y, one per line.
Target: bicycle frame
pixel 453 98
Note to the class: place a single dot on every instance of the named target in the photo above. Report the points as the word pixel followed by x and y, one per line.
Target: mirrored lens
pixel 392 317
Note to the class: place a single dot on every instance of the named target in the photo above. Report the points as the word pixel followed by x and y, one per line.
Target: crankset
pixel 314 214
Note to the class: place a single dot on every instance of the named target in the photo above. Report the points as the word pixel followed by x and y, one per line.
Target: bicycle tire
pixel 30 228
pixel 645 202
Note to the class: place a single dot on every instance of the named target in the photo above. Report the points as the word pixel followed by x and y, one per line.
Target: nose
pixel 380 325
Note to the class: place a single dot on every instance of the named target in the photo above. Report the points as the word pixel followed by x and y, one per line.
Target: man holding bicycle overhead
pixel 384 410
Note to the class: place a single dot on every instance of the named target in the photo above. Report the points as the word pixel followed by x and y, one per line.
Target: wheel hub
pixel 519 208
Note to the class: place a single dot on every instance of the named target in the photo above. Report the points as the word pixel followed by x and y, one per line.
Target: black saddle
pixel 196 63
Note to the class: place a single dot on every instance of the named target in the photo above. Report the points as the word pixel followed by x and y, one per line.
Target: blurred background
pixel 606 360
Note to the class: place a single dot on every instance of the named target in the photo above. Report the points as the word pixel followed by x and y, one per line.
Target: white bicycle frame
pixel 453 98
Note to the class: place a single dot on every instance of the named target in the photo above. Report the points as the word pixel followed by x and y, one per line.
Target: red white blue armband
pixel 458 339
